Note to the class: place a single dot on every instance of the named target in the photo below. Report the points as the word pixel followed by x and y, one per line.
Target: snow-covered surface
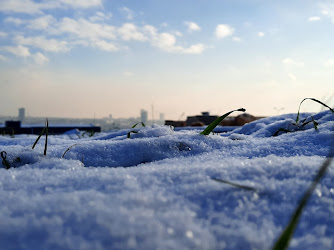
pixel 218 129
pixel 155 190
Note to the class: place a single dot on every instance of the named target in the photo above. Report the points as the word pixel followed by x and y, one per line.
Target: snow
pixel 156 189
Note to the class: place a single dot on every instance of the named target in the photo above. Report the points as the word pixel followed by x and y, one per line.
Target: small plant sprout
pixel 46 131
pixel 134 131
pixel 143 124
pixel 315 100
pixel 298 125
pixel 216 122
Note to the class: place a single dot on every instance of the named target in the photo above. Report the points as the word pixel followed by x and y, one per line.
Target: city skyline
pixel 93 58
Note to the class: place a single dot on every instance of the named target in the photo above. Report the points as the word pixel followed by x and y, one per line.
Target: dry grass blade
pixel 315 123
pixel 68 150
pixel 315 100
pixel 284 240
pixel 39 137
pixel 216 122
pixel 249 188
pixel 46 131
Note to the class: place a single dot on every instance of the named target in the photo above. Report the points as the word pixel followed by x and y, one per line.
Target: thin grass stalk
pixel 68 150
pixel 248 188
pixel 315 100
pixel 40 135
pixel 284 239
pixel 216 122
pixel 46 136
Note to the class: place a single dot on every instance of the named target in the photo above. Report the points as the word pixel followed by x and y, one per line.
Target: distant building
pixel 22 114
pixel 206 119
pixel 15 127
pixel 200 120
pixel 143 116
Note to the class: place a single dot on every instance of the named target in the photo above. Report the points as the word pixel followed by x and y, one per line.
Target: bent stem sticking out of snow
pixel 134 131
pixel 301 124
pixel 46 131
pixel 216 122
pixel 315 100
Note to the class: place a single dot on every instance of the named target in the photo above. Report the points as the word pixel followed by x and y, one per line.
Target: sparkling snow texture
pixel 155 190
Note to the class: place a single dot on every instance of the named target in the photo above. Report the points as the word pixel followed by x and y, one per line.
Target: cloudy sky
pixel 85 58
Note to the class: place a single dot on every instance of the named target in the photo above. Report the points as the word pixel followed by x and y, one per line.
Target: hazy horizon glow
pixel 93 58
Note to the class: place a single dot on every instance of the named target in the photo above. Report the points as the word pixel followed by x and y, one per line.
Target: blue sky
pixel 85 58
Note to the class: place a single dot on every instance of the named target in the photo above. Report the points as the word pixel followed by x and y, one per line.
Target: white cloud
pixel 151 30
pixel 19 50
pixel 292 77
pixel 40 59
pixel 164 41
pixel 43 43
pixel 16 21
pixel 86 29
pixel 192 26
pixel 22 51
pixel 289 61
pixel 92 32
pixel 129 31
pixel 223 30
pixel 32 7
pixel 2 58
pixel 3 34
pixel 167 42
pixel 127 12
pixel 194 49
pixel 82 3
pixel 41 23
pixel 314 18
pixel 329 63
pixel 21 6
pixel 260 34
pixel 100 16
pixel 106 46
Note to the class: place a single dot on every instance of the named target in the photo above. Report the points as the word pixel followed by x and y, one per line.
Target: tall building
pixel 22 114
pixel 143 116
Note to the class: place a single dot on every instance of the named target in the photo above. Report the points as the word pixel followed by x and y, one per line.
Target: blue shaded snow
pixel 155 190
